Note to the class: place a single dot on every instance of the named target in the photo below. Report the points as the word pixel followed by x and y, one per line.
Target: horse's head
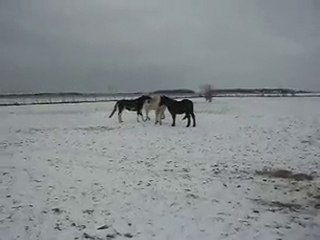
pixel 145 99
pixel 166 99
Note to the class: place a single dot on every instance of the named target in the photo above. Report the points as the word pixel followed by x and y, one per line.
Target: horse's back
pixel 188 104
pixel 186 101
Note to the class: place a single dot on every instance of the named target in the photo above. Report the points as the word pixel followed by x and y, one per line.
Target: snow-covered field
pixel 70 172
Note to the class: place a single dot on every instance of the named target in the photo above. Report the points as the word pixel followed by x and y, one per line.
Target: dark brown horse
pixel 130 105
pixel 184 106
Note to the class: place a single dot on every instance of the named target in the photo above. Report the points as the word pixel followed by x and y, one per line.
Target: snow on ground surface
pixel 70 172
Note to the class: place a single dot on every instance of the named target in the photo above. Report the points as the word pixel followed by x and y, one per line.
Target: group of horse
pixel 159 104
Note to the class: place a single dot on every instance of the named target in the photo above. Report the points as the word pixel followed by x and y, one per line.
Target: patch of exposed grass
pixel 279 205
pixel 282 173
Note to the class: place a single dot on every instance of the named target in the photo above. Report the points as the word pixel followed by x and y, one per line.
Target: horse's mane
pixel 143 97
pixel 169 99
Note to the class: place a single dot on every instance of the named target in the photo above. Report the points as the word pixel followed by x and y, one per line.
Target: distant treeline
pixel 78 94
pixel 175 91
pixel 257 91
pixel 65 94
pixel 168 91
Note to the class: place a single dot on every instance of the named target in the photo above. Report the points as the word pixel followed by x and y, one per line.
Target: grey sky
pixel 143 45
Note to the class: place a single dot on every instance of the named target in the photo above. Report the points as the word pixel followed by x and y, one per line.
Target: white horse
pixel 154 104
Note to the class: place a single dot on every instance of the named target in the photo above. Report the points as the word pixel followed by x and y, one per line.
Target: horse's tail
pixel 114 109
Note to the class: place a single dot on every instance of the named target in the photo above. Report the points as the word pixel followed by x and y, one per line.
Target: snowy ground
pixel 67 170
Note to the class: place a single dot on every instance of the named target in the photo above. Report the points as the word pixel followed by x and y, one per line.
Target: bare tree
pixel 207 91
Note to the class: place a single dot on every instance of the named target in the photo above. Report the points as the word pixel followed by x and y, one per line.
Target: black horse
pixel 131 105
pixel 184 106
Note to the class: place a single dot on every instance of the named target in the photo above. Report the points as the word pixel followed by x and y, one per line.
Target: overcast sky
pixel 144 45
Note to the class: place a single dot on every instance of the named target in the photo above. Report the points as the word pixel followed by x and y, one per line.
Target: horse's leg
pixel 162 112
pixel 147 112
pixel 173 120
pixel 138 114
pixel 147 116
pixel 157 116
pixel 188 117
pixel 193 119
pixel 120 115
